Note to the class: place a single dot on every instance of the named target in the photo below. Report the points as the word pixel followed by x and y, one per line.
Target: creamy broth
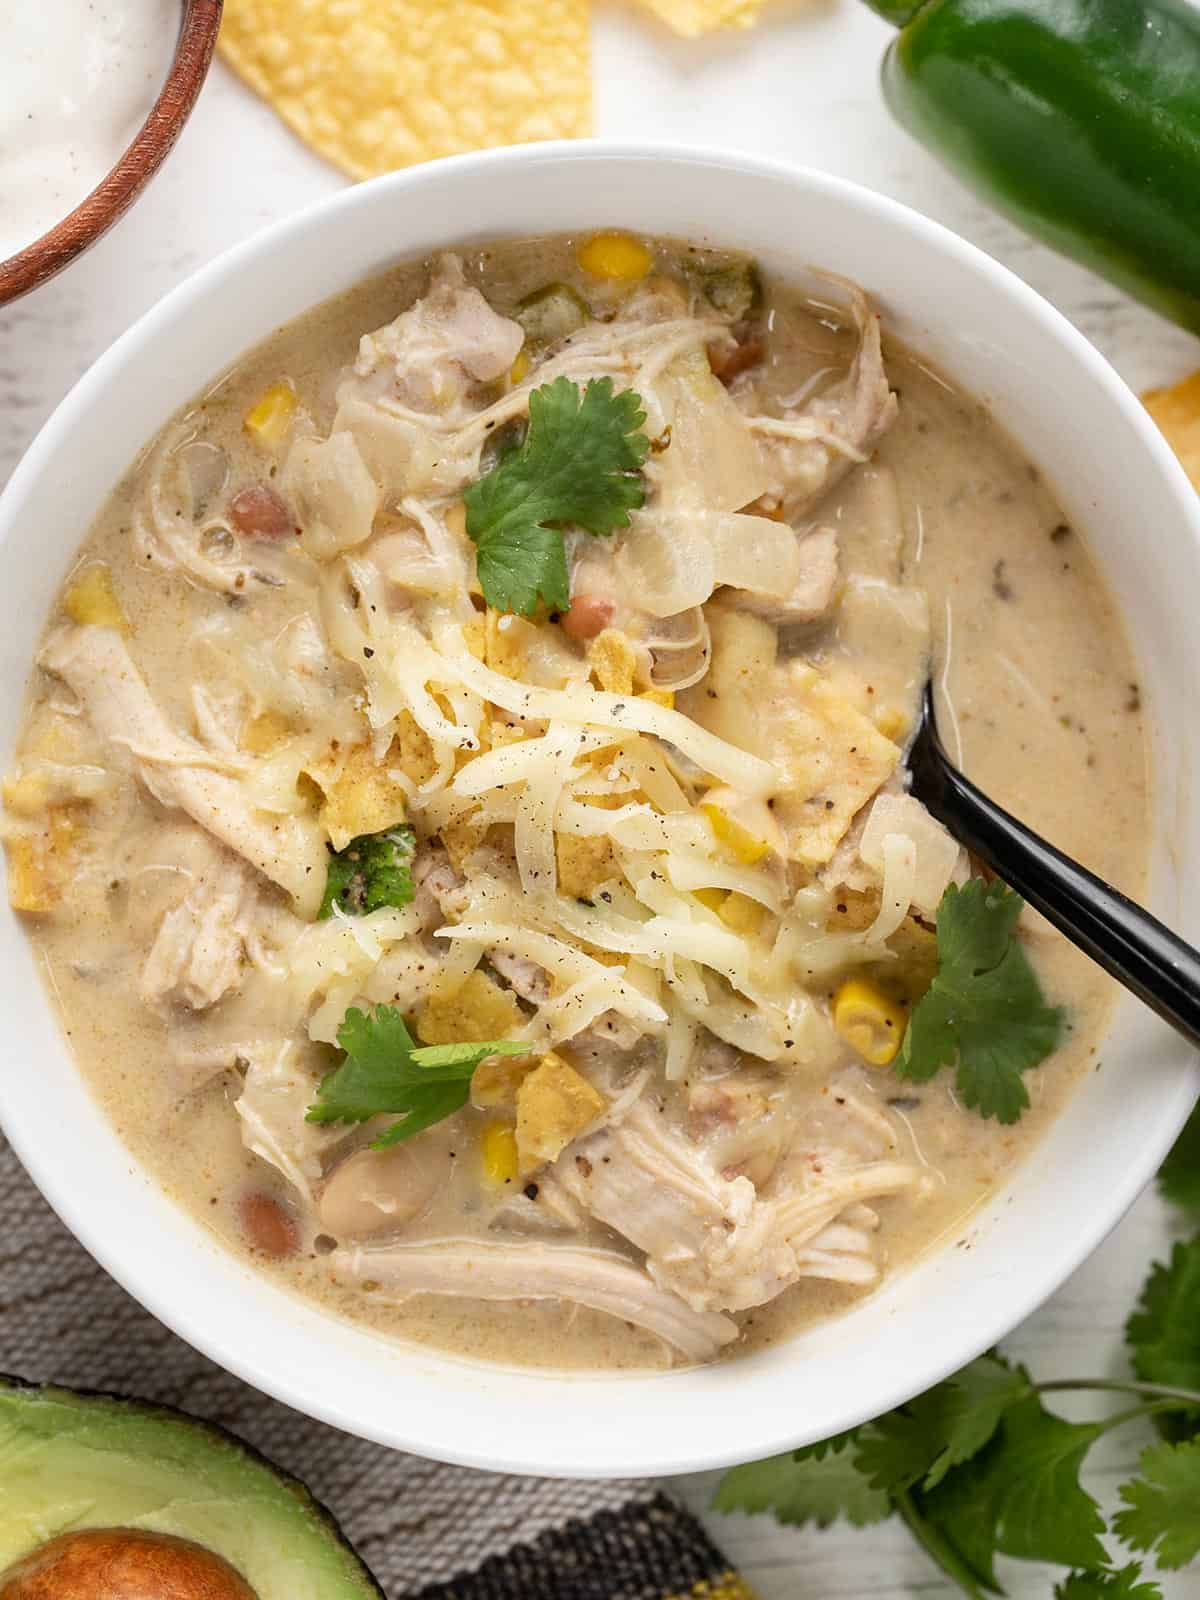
pixel 1040 690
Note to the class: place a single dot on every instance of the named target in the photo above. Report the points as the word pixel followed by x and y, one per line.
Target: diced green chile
pixel 373 871
pixel 551 314
pixel 734 290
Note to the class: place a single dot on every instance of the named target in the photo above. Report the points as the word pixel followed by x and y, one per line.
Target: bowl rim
pixel 652 1456
pixel 96 213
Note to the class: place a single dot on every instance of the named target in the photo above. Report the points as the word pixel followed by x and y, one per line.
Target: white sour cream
pixel 77 78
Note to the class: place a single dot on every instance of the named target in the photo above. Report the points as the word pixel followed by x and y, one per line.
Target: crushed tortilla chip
pixel 477 1009
pixel 363 798
pixel 412 749
pixel 40 864
pixel 496 1081
pixel 835 758
pixel 613 661
pixel 1177 413
pixel 373 85
pixel 462 837
pixel 554 1105
pixel 506 640
pixel 692 17
pixel 584 863
pixel 474 633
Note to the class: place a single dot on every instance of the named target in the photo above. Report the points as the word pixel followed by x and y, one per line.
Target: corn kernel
pixel 741 913
pixel 616 256
pixel 498 1146
pixel 520 368
pixel 270 417
pixel 868 1021
pixel 92 598
pixel 659 697
pixel 746 846
pixel 711 899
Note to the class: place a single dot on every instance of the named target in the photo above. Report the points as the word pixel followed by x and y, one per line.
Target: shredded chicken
pixel 533 1271
pixel 809 453
pixel 197 955
pixel 711 1239
pixel 524 977
pixel 96 664
pixel 815 589
pixel 277 1091
pixel 448 340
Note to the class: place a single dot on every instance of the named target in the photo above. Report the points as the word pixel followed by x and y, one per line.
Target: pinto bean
pixel 586 616
pixel 267 1225
pixel 259 513
pixel 727 363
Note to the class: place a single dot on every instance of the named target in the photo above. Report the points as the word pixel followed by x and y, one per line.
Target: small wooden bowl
pixel 111 198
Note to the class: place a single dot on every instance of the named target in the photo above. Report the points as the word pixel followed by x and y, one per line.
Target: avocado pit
pixel 123 1564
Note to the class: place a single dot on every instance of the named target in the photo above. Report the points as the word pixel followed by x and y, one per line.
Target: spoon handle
pixel 1123 938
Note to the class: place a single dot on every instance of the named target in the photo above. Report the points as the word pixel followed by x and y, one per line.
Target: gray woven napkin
pixel 414 1522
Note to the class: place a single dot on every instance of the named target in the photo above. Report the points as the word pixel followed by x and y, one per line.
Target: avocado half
pixel 71 1462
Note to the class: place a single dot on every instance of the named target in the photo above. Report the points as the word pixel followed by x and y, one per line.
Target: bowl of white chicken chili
pixel 473 966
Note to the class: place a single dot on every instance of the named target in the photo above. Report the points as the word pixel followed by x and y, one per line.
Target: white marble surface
pixel 803 87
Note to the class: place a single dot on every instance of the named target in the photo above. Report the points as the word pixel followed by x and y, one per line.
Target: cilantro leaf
pixel 517 566
pixel 1020 1495
pixel 820 1448
pixel 372 871
pixel 1161 1513
pixel 984 1013
pixel 1179 1175
pixel 1121 1585
pixel 1044 1512
pixel 958 1520
pixel 802 1491
pixel 982 1393
pixel 1163 1334
pixel 579 464
pixel 898 1449
pixel 385 1071
pixel 942 1428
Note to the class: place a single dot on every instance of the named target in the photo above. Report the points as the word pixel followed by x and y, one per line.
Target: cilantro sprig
pixel 386 1071
pixel 979 1468
pixel 579 465
pixel 984 1014
pixel 371 872
pixel 1179 1175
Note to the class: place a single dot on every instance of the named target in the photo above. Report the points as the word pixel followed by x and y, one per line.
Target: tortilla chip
pixel 692 17
pixel 377 84
pixel 1177 412
pixel 835 758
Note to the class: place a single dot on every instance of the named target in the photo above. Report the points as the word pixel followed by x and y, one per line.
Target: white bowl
pixel 1116 479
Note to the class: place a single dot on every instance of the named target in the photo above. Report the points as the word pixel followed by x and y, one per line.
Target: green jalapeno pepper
pixel 1080 119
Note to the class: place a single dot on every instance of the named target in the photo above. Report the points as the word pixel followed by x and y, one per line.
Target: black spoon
pixel 1120 936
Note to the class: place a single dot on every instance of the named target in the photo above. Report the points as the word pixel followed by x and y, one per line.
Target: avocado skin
pixel 185 1449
